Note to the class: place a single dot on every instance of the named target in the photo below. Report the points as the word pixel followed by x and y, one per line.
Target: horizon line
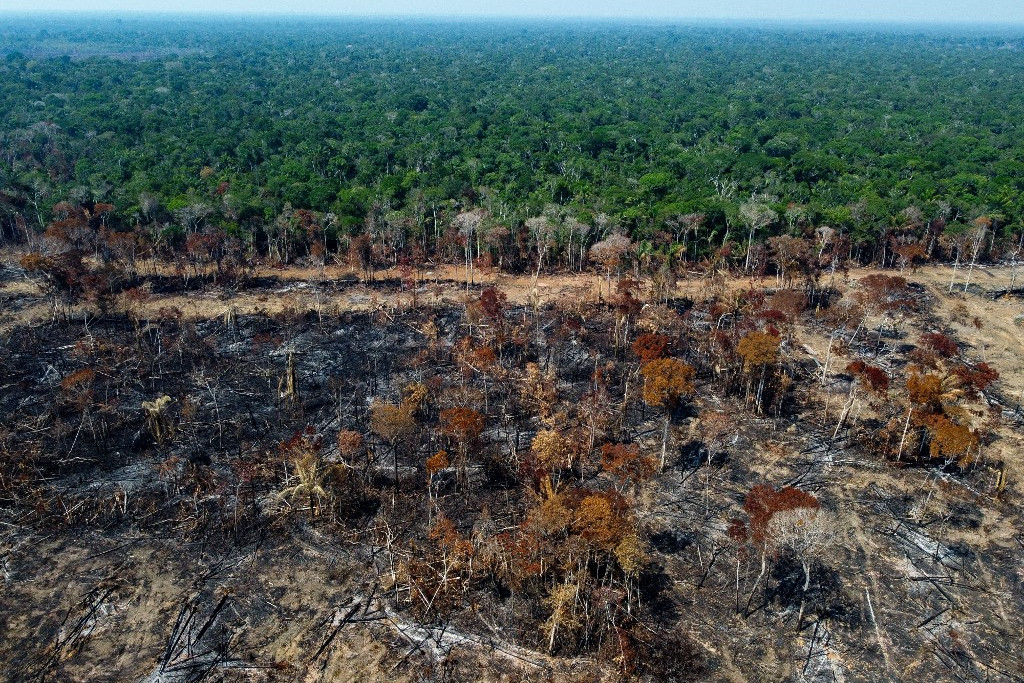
pixel 539 18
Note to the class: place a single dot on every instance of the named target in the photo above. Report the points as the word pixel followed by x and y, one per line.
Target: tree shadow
pixel 694 454
pixel 672 541
pixel 825 596
pixel 655 585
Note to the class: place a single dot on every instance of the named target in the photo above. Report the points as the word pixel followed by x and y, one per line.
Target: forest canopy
pixel 227 124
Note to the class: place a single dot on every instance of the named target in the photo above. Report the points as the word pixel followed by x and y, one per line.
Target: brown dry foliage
pixel 666 381
pixel 941 344
pixel 975 378
pixel 649 347
pixel 871 378
pixel 349 443
pixel 763 502
pixel 392 423
pixel 78 380
pixel 883 293
pixel 925 390
pixel 911 254
pixel 951 440
pixel 437 462
pixel 493 302
pixel 792 302
pixel 601 520
pixel 464 424
pixel 758 349
pixel 624 462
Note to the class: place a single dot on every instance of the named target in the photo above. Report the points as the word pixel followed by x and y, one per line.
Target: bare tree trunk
pixel 664 437
pixel 828 357
pixel 760 387
pixel 750 243
pixel 956 264
pixel 978 242
pixel 1016 257
pixel 394 494
pixel 707 486
pixel 846 411
pixel 750 597
pixel 568 250
pixel 737 581
pixel 903 438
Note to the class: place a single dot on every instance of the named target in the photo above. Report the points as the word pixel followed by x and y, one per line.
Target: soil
pixel 125 558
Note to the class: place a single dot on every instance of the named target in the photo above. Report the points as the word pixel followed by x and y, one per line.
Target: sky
pixel 932 11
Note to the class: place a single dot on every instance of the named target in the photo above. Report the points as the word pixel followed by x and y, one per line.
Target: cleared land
pixel 128 559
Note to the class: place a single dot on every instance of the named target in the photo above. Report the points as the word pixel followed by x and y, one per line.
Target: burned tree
pixel 667 381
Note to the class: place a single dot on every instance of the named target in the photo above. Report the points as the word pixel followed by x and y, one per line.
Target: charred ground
pixel 729 483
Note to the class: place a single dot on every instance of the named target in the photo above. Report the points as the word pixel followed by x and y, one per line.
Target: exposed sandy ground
pixel 285 614
pixel 999 341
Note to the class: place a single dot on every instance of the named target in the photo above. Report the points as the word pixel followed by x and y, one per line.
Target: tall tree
pixel 667 381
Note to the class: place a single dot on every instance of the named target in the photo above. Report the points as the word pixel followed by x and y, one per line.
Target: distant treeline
pixel 519 143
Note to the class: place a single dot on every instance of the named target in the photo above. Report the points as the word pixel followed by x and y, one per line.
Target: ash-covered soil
pixel 263 496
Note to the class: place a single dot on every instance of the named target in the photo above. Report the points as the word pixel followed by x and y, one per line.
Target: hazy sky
pixel 945 11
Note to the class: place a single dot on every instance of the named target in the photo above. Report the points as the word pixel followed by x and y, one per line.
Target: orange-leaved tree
pixel 393 424
pixel 649 347
pixel 934 397
pixel 626 464
pixel 759 351
pixel 464 426
pixel 950 440
pixel 786 518
pixel 666 382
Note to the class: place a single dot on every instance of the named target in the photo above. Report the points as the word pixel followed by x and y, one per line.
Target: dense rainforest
pixel 285 133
